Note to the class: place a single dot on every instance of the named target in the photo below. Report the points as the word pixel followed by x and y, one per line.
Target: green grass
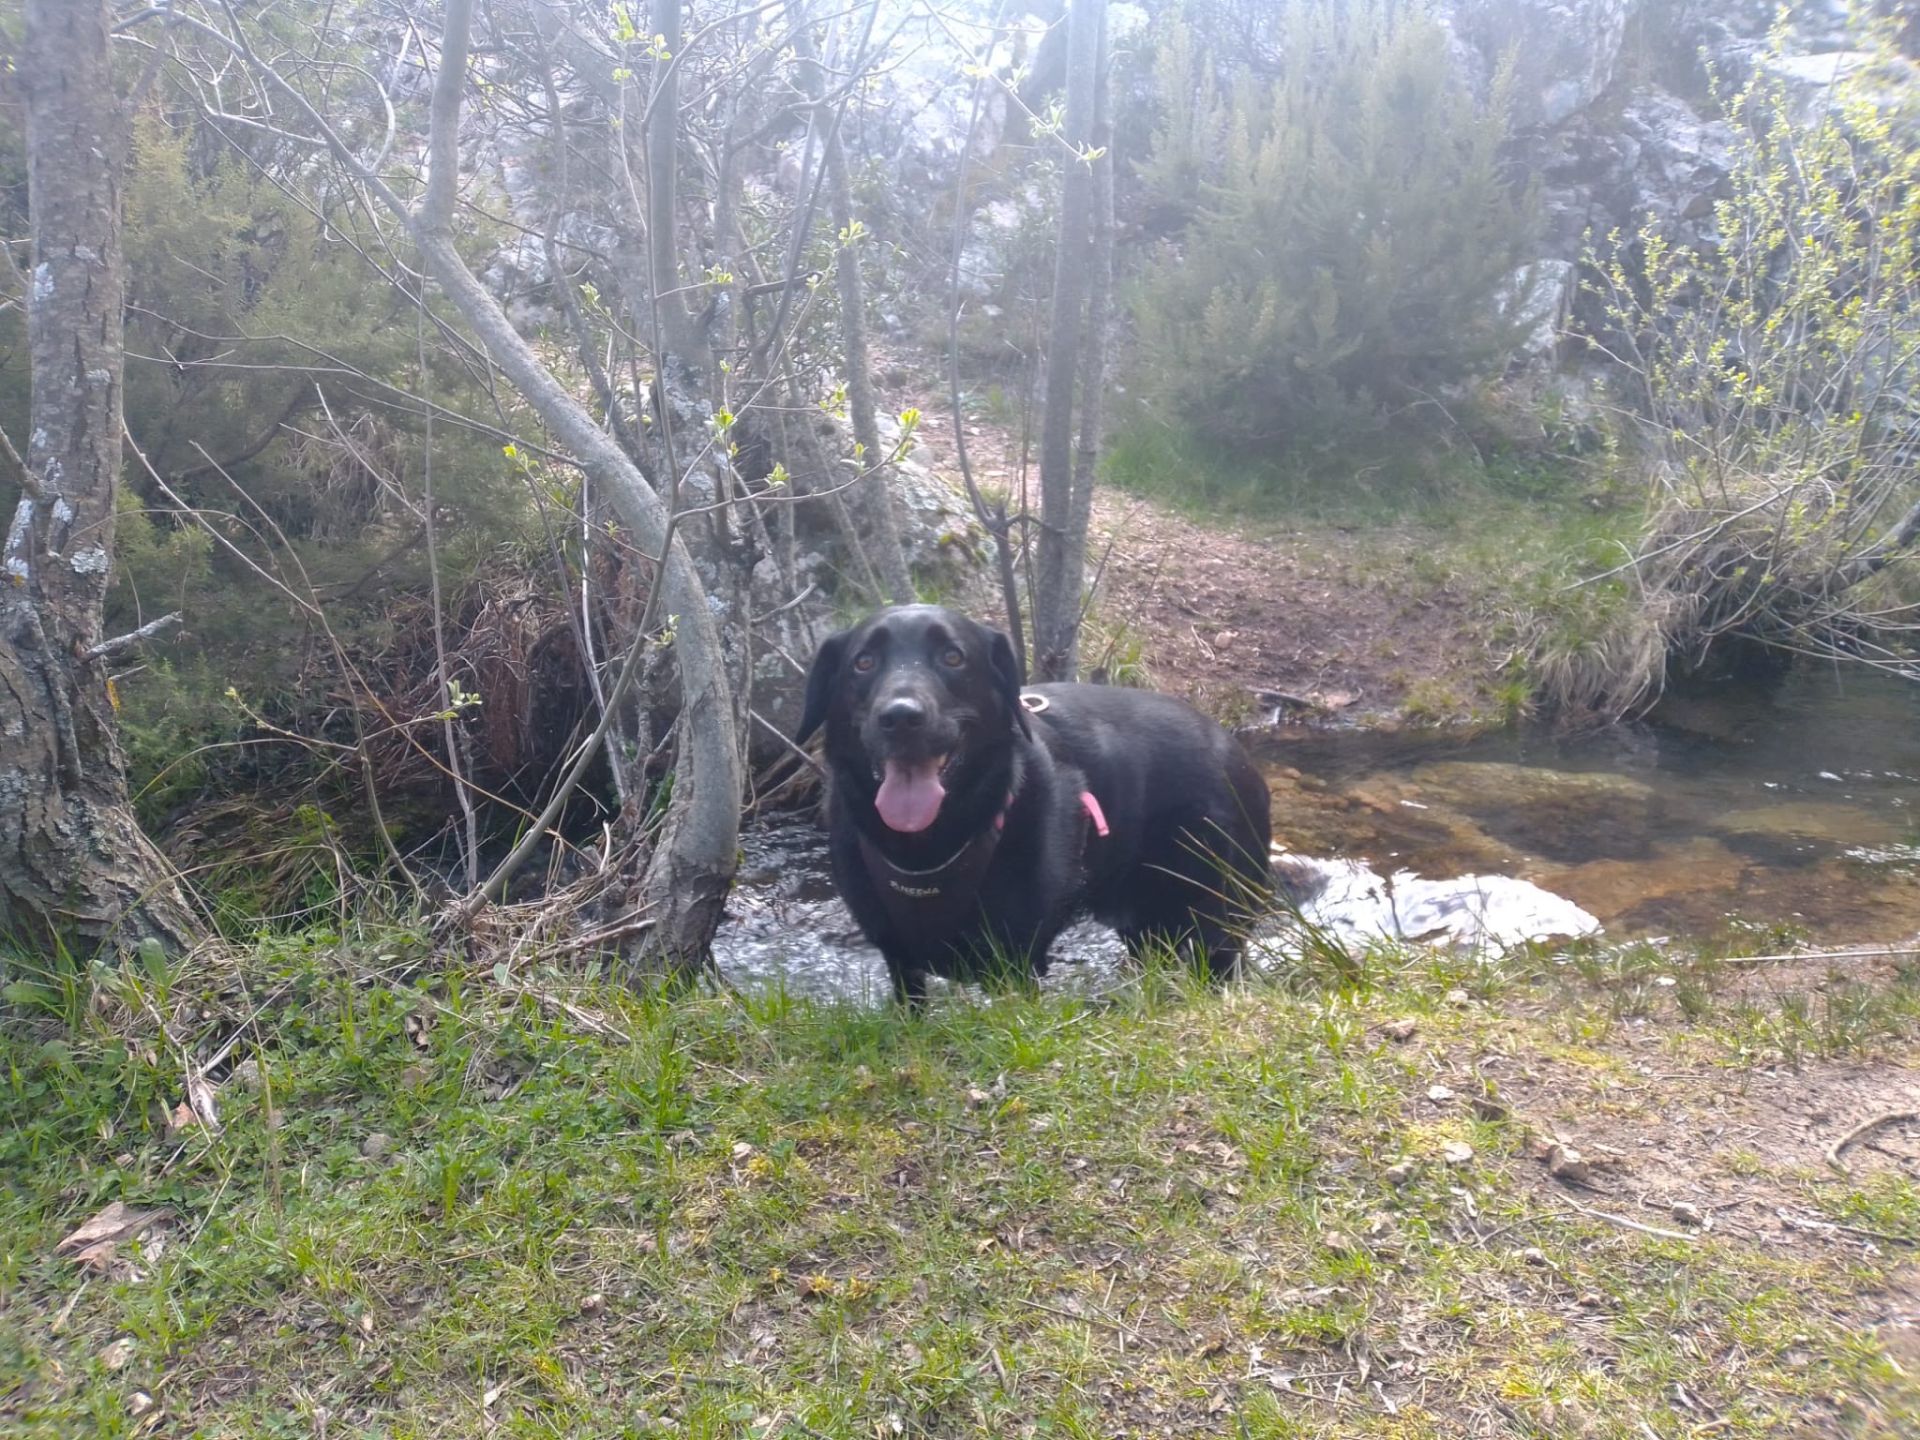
pixel 437 1208
pixel 1369 475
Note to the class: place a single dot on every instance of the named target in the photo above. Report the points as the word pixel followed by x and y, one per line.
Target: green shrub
pixel 267 385
pixel 1348 228
pixel 1771 373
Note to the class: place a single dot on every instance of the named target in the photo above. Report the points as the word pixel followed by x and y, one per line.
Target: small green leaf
pixel 153 959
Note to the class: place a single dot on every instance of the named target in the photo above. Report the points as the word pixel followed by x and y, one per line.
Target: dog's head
pixel 919 700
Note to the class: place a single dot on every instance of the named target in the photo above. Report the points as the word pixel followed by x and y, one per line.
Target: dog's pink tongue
pixel 910 795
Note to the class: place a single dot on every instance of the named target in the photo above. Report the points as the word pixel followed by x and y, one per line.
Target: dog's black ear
pixel 820 682
pixel 1006 671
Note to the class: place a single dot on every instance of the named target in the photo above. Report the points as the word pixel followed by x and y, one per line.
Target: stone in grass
pixel 1399 1173
pixel 1457 1152
pixel 1567 1164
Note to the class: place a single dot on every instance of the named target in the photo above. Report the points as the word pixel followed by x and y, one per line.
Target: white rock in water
pixel 1357 905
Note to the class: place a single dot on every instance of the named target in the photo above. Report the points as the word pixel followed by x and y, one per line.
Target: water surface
pixel 1795 804
pixel 1791 805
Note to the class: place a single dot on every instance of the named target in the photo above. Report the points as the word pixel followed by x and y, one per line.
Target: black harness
pixel 934 901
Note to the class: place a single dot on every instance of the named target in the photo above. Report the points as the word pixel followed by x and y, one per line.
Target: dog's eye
pixel 864 662
pixel 952 658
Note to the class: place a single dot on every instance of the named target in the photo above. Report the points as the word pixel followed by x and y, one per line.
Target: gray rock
pixel 943 540
pixel 1537 297
pixel 1567 51
pixel 1566 1163
pixel 1813 84
pixel 1682 164
pixel 1657 163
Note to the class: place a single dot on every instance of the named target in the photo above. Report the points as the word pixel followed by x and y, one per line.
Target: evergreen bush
pixel 1344 230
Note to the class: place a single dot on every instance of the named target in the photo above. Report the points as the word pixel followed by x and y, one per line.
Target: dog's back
pixel 1188 814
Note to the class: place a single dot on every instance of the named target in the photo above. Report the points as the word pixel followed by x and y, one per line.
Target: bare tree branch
pixel 106 649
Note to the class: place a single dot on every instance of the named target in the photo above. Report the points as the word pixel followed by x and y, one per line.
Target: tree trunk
pixel 1093 374
pixel 663 176
pixel 876 500
pixel 993 518
pixel 73 863
pixel 693 861
pixel 1056 601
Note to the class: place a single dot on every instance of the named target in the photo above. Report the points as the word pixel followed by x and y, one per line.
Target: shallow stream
pixel 1793 804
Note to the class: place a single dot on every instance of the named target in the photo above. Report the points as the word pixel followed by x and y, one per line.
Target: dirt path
pixel 1250 620
pixel 1290 620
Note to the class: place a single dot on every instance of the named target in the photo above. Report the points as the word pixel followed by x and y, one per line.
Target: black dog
pixel 967 829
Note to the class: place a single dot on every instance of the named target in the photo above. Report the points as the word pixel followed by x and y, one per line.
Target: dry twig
pixel 1839 1148
pixel 1786 957
pixel 1626 1224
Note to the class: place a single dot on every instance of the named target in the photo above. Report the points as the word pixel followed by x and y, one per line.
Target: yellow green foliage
pixel 1774 368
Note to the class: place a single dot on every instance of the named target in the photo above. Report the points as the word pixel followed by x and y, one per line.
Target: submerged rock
pixel 1559 816
pixel 1827 822
pixel 1508 782
pixel 1684 868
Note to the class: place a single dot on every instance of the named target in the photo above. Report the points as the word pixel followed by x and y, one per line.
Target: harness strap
pixel 1092 806
pixel 935 902
pixel 936 899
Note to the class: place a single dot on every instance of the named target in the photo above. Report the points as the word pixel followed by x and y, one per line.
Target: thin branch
pixel 1873 561
pixel 108 648
pixel 1836 1152
pixel 792 749
pixel 994 521
pixel 1791 956
pixel 26 479
pixel 1626 1224
pixel 459 758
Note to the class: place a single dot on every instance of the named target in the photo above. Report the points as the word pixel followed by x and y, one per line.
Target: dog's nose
pixel 902 713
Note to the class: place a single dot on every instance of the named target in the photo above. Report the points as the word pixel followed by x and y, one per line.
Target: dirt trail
pixel 1225 613
pixel 1247 620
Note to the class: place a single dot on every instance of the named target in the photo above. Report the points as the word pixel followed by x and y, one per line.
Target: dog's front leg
pixel 909 981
